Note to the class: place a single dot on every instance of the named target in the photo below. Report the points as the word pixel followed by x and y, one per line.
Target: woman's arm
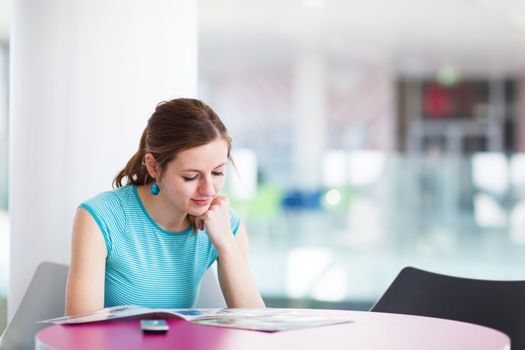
pixel 237 284
pixel 85 281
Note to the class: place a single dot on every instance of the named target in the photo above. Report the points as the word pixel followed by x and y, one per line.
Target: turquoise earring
pixel 155 189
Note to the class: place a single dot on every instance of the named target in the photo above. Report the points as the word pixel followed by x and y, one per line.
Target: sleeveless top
pixel 147 265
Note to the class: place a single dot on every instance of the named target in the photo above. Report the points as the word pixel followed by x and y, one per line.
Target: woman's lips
pixel 201 202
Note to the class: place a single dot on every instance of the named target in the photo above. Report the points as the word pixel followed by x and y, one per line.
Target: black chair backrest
pixel 496 304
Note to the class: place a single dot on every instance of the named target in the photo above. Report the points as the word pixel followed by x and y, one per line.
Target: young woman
pixel 149 242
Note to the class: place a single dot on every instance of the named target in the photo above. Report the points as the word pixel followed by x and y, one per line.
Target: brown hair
pixel 175 126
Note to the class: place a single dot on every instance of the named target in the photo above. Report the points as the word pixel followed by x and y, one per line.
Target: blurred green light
pixel 448 76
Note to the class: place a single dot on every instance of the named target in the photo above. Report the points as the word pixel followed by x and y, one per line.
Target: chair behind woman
pixel 44 299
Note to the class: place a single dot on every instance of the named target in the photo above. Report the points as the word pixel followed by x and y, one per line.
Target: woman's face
pixel 195 177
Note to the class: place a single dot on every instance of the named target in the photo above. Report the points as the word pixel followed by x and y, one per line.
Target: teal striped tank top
pixel 146 265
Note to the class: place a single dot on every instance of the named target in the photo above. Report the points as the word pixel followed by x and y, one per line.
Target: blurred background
pixel 5 9
pixel 368 136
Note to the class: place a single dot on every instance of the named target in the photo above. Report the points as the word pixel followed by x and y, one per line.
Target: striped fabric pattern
pixel 147 265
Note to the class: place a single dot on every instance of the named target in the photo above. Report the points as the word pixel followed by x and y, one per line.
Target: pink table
pixel 368 331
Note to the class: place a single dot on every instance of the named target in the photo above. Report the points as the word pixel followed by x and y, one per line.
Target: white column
pixel 309 118
pixel 85 77
pixel 4 64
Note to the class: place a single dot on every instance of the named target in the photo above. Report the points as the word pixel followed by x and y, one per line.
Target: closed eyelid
pixel 189 178
pixel 193 172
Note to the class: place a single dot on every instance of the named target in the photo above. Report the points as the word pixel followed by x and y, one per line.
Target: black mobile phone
pixel 154 326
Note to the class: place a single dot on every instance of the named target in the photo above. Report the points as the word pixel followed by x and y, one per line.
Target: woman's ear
pixel 151 165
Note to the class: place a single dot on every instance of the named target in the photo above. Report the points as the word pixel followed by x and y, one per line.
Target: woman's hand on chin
pixel 217 222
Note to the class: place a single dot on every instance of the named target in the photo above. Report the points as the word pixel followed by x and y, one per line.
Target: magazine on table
pixel 267 319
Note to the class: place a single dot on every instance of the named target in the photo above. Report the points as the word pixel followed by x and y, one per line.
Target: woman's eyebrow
pixel 198 171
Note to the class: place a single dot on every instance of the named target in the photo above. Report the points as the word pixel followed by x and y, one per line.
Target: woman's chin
pixel 197 211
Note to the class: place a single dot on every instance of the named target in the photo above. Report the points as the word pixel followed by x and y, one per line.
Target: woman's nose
pixel 206 188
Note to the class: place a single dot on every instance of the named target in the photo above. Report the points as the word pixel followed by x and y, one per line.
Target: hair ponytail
pixel 135 170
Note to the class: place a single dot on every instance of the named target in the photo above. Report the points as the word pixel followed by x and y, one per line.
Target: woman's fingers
pixel 219 202
pixel 216 219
